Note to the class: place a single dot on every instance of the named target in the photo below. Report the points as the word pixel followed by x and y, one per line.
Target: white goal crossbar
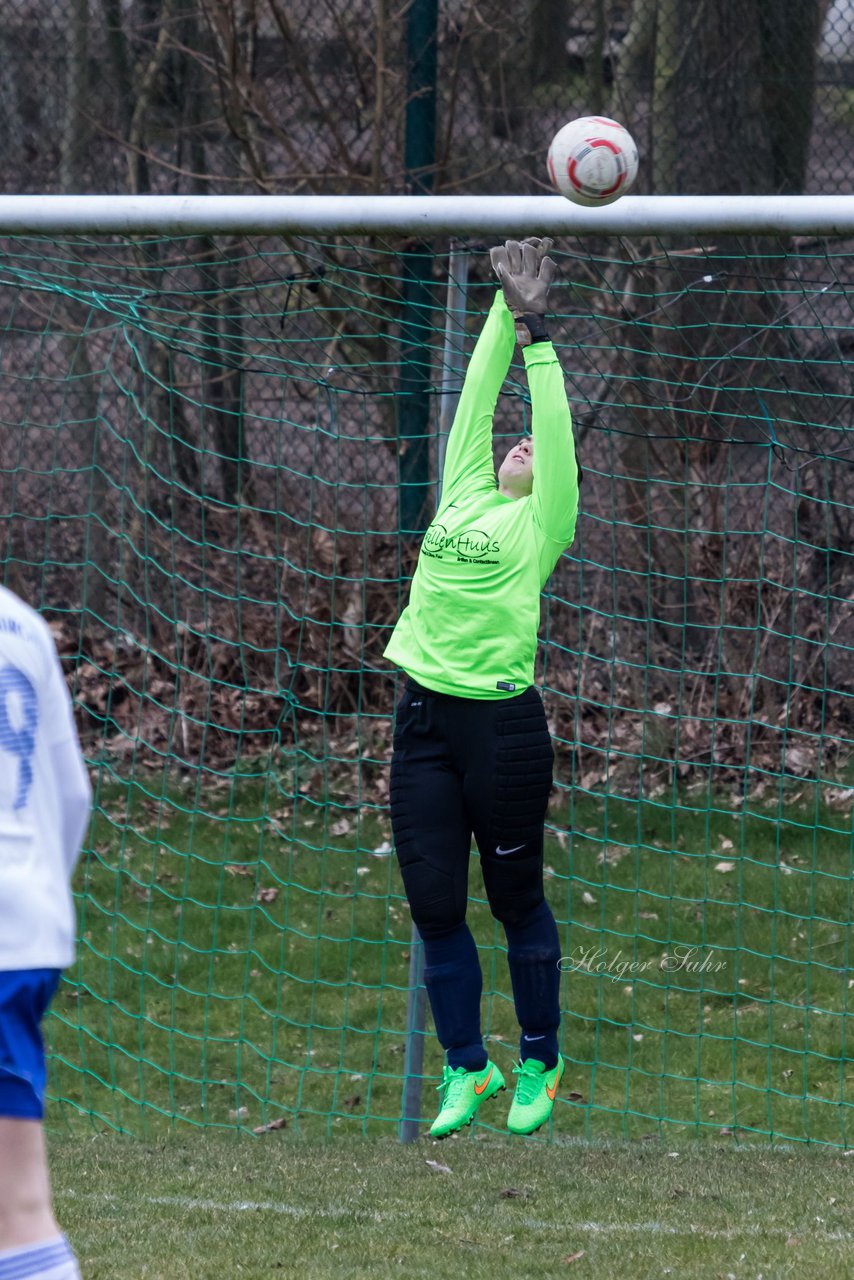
pixel 425 215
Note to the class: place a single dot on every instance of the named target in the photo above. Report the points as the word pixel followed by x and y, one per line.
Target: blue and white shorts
pixel 24 997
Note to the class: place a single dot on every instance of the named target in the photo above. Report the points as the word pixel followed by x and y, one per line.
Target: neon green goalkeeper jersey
pixel 470 627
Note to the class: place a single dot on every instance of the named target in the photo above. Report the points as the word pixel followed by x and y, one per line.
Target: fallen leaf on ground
pixel 281 1123
pixel 436 1167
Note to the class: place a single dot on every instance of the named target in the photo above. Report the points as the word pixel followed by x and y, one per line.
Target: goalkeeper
pixel 45 799
pixel 472 751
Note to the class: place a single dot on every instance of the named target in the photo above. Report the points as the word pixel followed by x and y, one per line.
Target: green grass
pixel 207 1206
pixel 245 958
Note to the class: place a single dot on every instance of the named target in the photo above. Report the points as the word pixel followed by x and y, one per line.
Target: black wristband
pixel 536 330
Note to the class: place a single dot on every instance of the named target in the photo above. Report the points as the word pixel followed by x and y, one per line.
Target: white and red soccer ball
pixel 592 160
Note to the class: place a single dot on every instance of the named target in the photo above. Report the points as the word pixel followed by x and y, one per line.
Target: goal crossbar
pixel 449 215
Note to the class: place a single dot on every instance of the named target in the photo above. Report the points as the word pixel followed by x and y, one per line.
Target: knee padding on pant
pixel 514 886
pixel 437 900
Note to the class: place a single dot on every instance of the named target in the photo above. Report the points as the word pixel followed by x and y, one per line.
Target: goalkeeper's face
pixel 516 473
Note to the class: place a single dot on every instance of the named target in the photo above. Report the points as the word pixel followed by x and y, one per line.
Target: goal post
pixel 202 455
pixel 434 215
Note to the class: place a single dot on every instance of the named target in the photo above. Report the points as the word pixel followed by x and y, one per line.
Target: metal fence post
pixel 453 356
pixel 453 361
pixel 416 1008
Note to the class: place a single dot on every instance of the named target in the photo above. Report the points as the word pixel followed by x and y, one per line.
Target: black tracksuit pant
pixel 464 767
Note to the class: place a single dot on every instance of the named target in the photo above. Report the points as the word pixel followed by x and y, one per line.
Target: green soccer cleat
pixel 535 1095
pixel 462 1093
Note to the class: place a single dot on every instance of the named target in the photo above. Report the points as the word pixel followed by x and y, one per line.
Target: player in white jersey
pixel 45 801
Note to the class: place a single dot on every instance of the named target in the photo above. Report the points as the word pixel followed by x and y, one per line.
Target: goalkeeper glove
pixel 525 273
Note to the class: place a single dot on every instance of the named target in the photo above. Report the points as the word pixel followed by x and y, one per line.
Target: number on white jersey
pixel 19 713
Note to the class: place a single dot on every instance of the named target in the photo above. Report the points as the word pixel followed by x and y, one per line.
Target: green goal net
pixel 216 456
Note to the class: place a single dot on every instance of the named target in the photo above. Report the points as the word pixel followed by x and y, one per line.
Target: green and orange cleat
pixel 535 1095
pixel 462 1093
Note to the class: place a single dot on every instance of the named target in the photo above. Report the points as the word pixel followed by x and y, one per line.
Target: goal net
pixel 217 454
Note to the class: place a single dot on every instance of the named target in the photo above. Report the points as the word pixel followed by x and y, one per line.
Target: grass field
pixel 208 1206
pixel 245 959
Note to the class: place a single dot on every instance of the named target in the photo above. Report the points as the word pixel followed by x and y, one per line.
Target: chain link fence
pixel 205 424
pixel 200 444
pixel 259 95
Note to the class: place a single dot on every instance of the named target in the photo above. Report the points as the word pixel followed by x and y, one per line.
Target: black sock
pixel 533 955
pixel 454 984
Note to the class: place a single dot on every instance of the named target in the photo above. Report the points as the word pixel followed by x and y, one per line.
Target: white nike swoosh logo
pixel 516 849
pixel 533 1037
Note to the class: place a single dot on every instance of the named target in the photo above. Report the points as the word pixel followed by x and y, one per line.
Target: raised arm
pixel 526 273
pixel 555 494
pixel 468 457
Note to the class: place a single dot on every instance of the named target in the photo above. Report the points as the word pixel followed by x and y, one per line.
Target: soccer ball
pixel 592 160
